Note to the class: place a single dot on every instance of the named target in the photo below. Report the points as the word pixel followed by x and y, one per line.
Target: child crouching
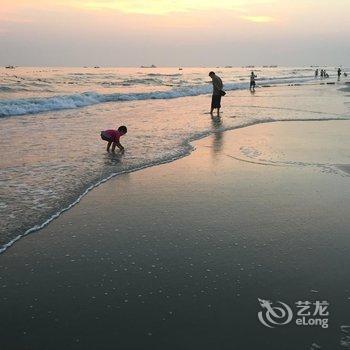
pixel 112 137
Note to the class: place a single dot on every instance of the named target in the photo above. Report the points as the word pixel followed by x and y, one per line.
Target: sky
pixel 174 32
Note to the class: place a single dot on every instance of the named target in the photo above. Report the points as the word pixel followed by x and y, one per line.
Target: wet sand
pixel 176 256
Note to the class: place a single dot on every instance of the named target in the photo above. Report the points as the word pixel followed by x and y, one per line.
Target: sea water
pixel 51 119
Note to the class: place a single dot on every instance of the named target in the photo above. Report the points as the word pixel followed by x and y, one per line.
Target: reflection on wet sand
pixel 218 139
pixel 113 158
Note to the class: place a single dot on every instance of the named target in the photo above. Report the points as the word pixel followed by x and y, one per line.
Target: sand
pixel 176 256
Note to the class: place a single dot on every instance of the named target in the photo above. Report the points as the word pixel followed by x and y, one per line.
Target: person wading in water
pixel 217 93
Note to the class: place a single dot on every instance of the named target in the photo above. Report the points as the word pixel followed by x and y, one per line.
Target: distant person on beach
pixel 322 73
pixel 345 74
pixel 316 73
pixel 339 72
pixel 217 93
pixel 112 137
pixel 252 81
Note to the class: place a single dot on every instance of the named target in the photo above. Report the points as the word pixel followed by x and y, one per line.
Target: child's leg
pixel 113 146
pixel 109 145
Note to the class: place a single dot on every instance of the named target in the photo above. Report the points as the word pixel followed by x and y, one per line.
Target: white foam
pixel 16 107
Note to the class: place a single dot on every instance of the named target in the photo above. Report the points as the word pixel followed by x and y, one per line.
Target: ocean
pixel 51 119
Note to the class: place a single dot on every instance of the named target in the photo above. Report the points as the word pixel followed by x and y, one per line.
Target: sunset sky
pixel 174 32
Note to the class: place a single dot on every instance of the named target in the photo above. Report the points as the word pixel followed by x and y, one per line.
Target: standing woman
pixel 217 93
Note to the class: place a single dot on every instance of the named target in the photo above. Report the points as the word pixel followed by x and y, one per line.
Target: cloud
pixel 258 19
pixel 163 7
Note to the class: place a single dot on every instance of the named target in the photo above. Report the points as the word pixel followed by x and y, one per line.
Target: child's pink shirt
pixel 113 134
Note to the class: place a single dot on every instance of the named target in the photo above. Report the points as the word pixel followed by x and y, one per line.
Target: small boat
pixel 10 67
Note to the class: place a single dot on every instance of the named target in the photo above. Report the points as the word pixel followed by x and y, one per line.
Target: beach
pixel 177 256
pixel 52 119
pixel 174 175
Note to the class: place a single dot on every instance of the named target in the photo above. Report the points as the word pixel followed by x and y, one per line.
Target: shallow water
pixel 50 159
pixel 34 90
pixel 332 157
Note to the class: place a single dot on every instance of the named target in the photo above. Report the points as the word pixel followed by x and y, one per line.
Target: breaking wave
pixel 16 107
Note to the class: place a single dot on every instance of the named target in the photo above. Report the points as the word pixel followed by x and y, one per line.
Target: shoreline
pixel 188 148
